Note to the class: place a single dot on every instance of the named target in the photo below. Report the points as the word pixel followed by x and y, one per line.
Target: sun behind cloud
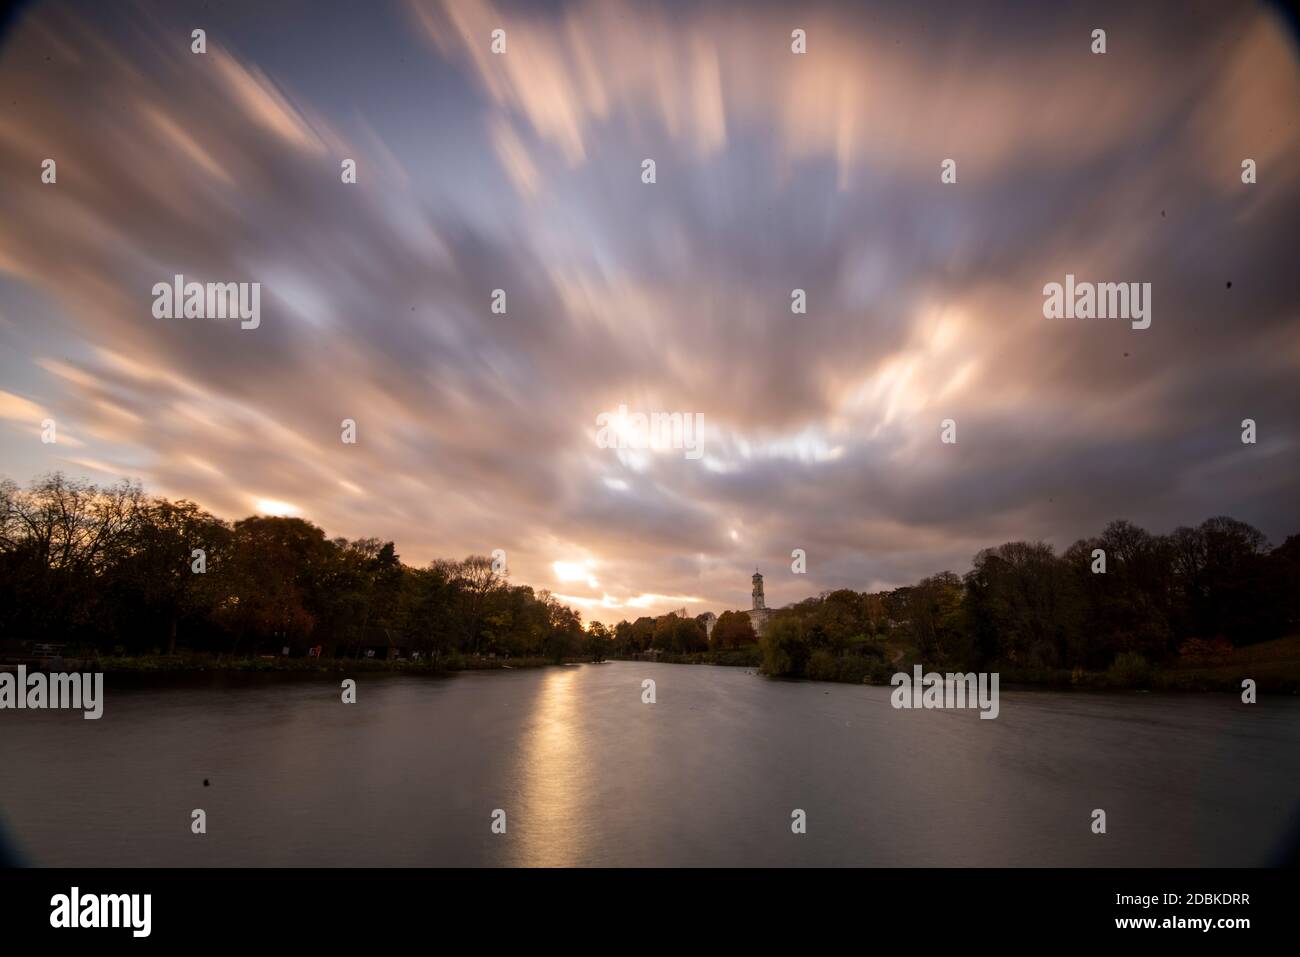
pixel 271 506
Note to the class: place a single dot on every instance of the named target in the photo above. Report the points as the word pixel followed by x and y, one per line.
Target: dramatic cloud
pixel 775 171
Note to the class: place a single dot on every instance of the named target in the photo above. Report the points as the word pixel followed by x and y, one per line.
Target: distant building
pixel 759 614
pixel 708 620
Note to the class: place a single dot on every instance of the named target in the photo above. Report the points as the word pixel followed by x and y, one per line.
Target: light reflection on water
pixel 552 774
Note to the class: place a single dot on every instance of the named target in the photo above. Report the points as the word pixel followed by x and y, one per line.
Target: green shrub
pixel 1129 670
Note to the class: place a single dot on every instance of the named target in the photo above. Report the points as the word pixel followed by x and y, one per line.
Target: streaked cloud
pixel 522 172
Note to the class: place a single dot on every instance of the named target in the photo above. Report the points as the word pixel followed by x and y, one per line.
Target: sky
pixel 774 171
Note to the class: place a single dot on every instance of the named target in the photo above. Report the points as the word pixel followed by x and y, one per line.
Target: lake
pixel 587 774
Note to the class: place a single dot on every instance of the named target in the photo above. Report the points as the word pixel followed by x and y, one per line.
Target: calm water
pixel 588 775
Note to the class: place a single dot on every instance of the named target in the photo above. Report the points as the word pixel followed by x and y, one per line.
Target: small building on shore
pixel 387 649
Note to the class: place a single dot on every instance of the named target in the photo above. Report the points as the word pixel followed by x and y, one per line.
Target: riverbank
pixel 190 663
pixel 746 657
pixel 1274 666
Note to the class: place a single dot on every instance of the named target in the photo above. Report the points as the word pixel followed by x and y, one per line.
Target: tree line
pixel 678 634
pixel 1126 599
pixel 110 569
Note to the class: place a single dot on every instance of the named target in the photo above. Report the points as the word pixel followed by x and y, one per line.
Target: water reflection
pixel 555 778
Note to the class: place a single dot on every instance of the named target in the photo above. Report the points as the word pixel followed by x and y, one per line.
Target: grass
pixel 1273 665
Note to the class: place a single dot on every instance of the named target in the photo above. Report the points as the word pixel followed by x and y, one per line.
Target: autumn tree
pixel 733 630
